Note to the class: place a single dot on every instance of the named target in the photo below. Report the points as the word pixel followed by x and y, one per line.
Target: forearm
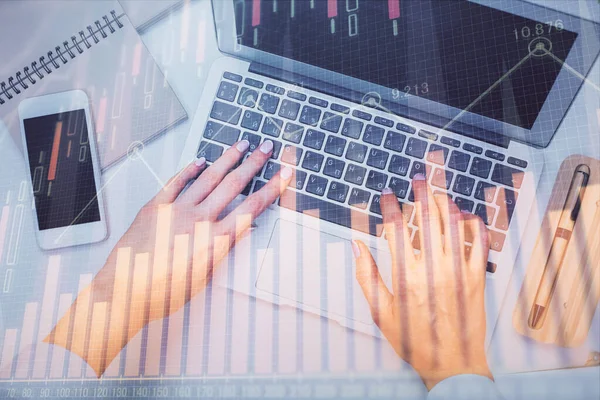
pixel 94 326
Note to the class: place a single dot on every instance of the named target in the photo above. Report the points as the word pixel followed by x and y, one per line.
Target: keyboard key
pixel 221 133
pixel 459 161
pixel 506 201
pixel 310 116
pixel 338 191
pixel 355 174
pixel 356 152
pixel 298 179
pixel 359 198
pixel 331 122
pixel 376 181
pixel 464 204
pixel 472 148
pixel 232 76
pixel 428 135
pixel 312 161
pixel 495 155
pixel 276 148
pixel 437 154
pixel 362 115
pixel 384 121
pixel 516 162
pixel 464 185
pixel 318 102
pixel 419 168
pixel 291 155
pixel 352 128
pixel 289 109
pixel 407 211
pixel 340 108
pixel 268 103
pixel 399 165
pixel 271 169
pixel 442 178
pixel 210 151
pixel 248 97
pixel 485 192
pixel 377 158
pixel 227 91
pixel 405 128
pixel 508 176
pixel 394 141
pixel 296 95
pixel 450 142
pixel 496 240
pixel 480 167
pixel 334 167
pixel 373 135
pixel 226 112
pixel 253 139
pixel 335 145
pixel 247 189
pixel 330 212
pixel 491 267
pixel 272 126
pixel 293 133
pixel 314 139
pixel 316 185
pixel 254 83
pixel 258 185
pixel 486 213
pixel 376 205
pixel 399 187
pixel 251 120
pixel 416 148
pixel 275 89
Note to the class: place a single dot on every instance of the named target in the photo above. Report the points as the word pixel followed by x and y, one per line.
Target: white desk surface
pixel 174 44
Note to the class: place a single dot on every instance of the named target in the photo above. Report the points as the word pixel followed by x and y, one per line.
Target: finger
pixel 397 236
pixel 240 219
pixel 214 174
pixel 233 184
pixel 430 229
pixel 453 228
pixel 376 292
pixel 477 233
pixel 177 183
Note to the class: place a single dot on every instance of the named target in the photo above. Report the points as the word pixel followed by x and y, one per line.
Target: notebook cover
pixel 130 98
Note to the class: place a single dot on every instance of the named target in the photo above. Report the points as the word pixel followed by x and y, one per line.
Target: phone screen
pixel 62 170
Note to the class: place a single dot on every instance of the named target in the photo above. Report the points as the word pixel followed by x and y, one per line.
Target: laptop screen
pixel 457 53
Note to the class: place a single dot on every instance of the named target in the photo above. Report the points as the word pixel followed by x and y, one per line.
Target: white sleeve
pixel 465 387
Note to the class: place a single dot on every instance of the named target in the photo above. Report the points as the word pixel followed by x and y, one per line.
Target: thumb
pixel 367 274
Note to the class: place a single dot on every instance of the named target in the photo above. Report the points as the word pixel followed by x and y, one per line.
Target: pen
pixel 566 223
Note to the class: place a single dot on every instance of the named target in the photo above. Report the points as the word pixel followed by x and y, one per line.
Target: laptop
pixel 362 95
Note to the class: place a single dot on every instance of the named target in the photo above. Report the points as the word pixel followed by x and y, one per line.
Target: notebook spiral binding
pixel 51 61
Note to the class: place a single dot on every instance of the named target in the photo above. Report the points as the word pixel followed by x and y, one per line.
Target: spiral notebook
pixel 56 46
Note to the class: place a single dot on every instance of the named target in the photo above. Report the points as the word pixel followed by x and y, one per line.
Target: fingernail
pixel 243 146
pixel 266 147
pixel 355 249
pixel 465 212
pixel 200 162
pixel 419 177
pixel 286 173
pixel 386 191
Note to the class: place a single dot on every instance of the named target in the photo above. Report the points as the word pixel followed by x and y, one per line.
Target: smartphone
pixel 60 148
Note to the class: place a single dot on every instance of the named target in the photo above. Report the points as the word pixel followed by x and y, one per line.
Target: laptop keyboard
pixel 343 158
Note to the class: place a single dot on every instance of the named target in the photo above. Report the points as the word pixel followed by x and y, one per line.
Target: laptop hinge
pixel 397 109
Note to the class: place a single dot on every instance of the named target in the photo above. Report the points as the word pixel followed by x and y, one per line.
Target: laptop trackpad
pixel 316 269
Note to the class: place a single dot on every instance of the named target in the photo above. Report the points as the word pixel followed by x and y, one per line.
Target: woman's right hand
pixel 434 317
